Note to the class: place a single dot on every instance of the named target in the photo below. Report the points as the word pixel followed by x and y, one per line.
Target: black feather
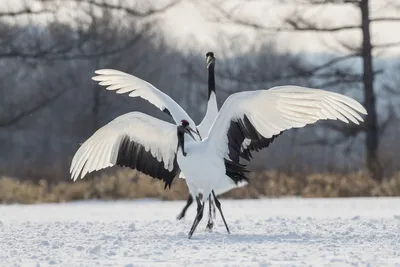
pixel 239 130
pixel 133 155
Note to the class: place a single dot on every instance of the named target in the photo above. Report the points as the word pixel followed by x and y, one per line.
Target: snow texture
pixel 267 232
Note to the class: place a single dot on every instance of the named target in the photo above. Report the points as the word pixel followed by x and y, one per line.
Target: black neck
pixel 181 141
pixel 211 80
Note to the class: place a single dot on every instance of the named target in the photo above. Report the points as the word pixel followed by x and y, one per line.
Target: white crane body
pixel 211 166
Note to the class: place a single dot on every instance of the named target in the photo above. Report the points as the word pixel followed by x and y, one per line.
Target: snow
pixel 264 232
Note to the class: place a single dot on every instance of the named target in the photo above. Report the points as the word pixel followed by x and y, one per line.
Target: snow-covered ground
pixel 268 232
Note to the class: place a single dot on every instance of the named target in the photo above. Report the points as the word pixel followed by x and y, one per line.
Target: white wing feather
pixel 101 149
pixel 122 83
pixel 206 123
pixel 211 113
pixel 281 108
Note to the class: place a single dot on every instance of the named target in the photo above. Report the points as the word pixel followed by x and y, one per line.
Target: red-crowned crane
pixel 210 164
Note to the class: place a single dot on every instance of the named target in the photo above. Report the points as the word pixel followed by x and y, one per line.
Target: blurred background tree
pixel 305 18
pixel 49 50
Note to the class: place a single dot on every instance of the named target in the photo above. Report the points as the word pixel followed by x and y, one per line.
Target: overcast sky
pixel 189 24
pixel 190 20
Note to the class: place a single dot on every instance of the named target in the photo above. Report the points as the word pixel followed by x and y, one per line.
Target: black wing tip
pixel 134 155
pixel 165 110
pixel 240 130
pixel 236 171
pixel 167 185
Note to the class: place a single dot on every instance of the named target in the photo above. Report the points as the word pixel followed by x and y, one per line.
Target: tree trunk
pixel 372 140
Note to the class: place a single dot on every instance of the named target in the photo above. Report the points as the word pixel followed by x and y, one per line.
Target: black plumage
pixel 134 155
pixel 239 130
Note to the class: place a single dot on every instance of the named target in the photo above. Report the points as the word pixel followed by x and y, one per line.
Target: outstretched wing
pixel 122 82
pixel 134 140
pixel 249 146
pixel 260 116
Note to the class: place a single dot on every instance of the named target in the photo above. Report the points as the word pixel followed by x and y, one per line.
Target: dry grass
pixel 126 184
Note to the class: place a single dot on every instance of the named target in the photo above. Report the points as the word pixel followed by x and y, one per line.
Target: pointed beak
pixel 198 133
pixel 190 131
pixel 209 60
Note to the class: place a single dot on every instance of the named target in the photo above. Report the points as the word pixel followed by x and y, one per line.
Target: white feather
pixel 211 114
pixel 281 108
pixel 101 149
pixel 122 82
pixel 205 124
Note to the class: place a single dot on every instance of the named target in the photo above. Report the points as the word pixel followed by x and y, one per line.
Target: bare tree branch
pixel 388 121
pixel 334 61
pixel 50 54
pixel 324 2
pixel 338 81
pixel 353 48
pixel 345 129
pixel 23 114
pixel 227 18
pixel 131 11
pixel 24 12
pixel 299 23
pixel 325 142
pixel 386 19
pixel 65 45
pixel 347 132
pixel 391 90
pixel 386 45
pixel 296 24
pixel 303 72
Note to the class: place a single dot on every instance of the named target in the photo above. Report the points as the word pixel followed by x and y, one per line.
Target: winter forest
pixel 50 49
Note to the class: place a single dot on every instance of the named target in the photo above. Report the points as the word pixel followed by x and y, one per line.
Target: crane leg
pixel 214 212
pixel 199 216
pixel 210 223
pixel 188 203
pixel 218 204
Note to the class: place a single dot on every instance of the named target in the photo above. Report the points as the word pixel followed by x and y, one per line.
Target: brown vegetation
pixel 127 184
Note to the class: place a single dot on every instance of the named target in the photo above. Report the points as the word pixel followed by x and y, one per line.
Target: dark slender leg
pixel 214 213
pixel 188 203
pixel 199 216
pixel 198 211
pixel 218 204
pixel 210 223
